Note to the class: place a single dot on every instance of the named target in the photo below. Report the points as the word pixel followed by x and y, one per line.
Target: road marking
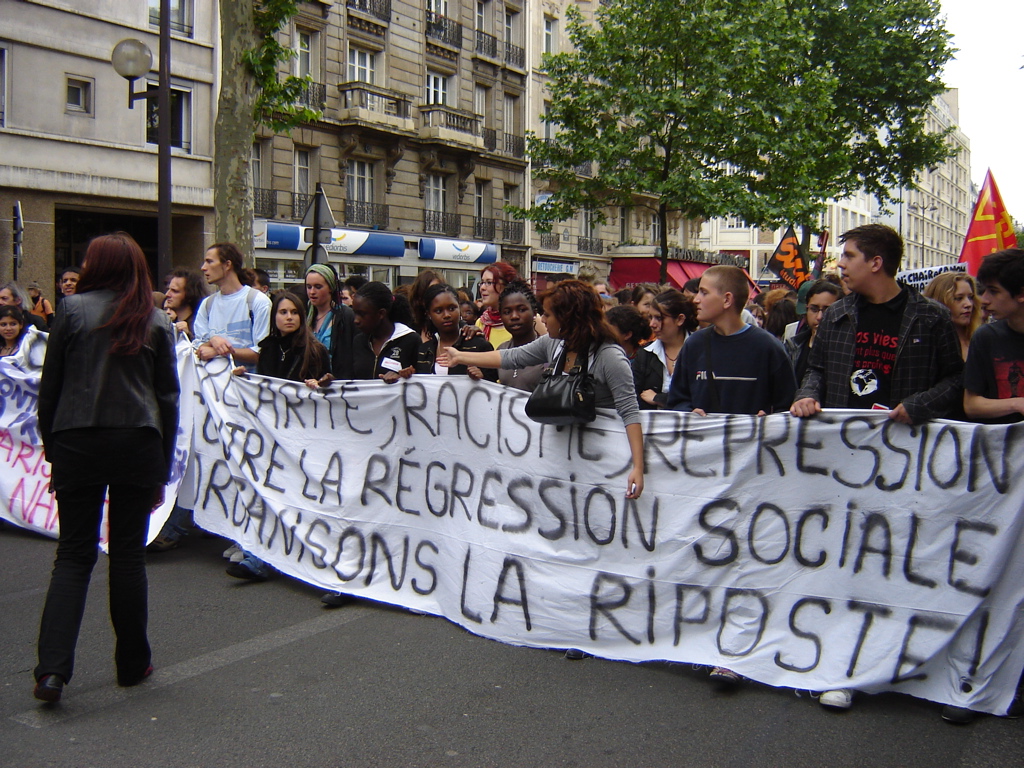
pixel 86 702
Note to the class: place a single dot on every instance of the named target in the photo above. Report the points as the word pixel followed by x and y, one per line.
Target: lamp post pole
pixel 133 59
pixel 163 103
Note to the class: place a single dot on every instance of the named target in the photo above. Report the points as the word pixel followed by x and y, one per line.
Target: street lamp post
pixel 132 59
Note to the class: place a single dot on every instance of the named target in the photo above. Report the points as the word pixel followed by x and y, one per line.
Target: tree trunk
pixel 236 126
pixel 663 227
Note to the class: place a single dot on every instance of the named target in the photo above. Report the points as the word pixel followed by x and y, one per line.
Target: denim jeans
pixel 80 510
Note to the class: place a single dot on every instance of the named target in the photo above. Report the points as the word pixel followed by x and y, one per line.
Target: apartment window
pixel 481 15
pixel 256 165
pixel 510 196
pixel 624 225
pixel 437 87
pixel 655 229
pixel 362 65
pixel 435 193
pixel 181 16
pixel 549 127
pixel 3 86
pixel 480 195
pixel 511 114
pixel 733 222
pixel 440 7
pixel 550 35
pixel 302 160
pixel 79 95
pixel 181 118
pixel 481 98
pixel 360 181
pixel 511 27
pixel 306 53
pixel 588 225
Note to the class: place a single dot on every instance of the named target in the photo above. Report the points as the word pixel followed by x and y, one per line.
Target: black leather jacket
pixel 83 385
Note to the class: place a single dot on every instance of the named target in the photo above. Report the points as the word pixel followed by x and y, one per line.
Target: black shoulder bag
pixel 564 399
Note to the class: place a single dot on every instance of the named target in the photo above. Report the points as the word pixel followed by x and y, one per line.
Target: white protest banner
pixel 919 278
pixel 25 497
pixel 842 551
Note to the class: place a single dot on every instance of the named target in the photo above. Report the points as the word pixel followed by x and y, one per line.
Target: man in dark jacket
pixel 884 345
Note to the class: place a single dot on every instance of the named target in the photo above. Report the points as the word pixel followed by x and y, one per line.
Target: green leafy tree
pixel 759 109
pixel 252 93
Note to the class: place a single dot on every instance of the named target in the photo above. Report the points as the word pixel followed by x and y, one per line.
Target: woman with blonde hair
pixel 957 290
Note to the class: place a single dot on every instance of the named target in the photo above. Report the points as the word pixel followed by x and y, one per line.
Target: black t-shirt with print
pixel 878 337
pixel 995 365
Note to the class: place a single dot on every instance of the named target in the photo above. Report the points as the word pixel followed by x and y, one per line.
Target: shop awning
pixel 458 250
pixel 279 236
pixel 631 271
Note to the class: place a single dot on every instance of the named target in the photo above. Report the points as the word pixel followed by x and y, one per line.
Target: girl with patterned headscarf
pixel 331 321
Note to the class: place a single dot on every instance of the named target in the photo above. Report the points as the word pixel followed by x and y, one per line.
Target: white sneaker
pixel 231 552
pixel 838 699
pixel 237 556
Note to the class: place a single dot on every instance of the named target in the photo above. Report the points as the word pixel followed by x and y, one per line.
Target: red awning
pixel 627 272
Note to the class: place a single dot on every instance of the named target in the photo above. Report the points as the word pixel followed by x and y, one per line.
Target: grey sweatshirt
pixel 613 378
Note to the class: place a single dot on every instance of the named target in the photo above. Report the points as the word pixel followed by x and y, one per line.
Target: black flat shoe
pixel 49 688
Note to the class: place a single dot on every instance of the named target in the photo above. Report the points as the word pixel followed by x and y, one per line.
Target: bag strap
pixel 715 402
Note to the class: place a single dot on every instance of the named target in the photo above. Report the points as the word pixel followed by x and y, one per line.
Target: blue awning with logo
pixel 458 250
pixel 289 237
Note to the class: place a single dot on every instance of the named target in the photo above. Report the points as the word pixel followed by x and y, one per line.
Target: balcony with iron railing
pixel 592 245
pixel 486 45
pixel 444 30
pixel 483 229
pixel 370 104
pixel 515 145
pixel 549 241
pixel 442 223
pixel 490 139
pixel 515 56
pixel 380 9
pixel 360 214
pixel 313 96
pixel 300 202
pixel 264 202
pixel 512 231
pixel 585 168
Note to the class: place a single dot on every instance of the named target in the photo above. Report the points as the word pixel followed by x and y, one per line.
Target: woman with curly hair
pixel 494 278
pixel 957 290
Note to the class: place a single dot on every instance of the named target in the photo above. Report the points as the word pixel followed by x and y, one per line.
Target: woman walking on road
pixel 108 415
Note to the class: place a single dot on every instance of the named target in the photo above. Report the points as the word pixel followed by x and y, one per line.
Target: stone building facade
pixel 81 162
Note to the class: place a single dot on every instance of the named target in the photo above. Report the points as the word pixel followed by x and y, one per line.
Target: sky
pixel 987 71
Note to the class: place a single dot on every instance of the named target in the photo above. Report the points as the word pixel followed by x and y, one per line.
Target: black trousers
pixel 80 510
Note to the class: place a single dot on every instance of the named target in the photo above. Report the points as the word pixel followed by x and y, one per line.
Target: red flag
pixel 991 228
pixel 788 263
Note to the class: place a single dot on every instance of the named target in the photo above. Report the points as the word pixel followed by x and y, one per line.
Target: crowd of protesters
pixel 842 341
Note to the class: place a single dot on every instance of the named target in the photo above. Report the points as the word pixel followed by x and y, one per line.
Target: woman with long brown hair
pixel 576 327
pixel 108 415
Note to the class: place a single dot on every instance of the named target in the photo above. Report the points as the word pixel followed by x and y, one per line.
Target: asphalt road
pixel 262 675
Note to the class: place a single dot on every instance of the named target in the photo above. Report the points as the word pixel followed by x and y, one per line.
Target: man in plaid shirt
pixel 882 346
